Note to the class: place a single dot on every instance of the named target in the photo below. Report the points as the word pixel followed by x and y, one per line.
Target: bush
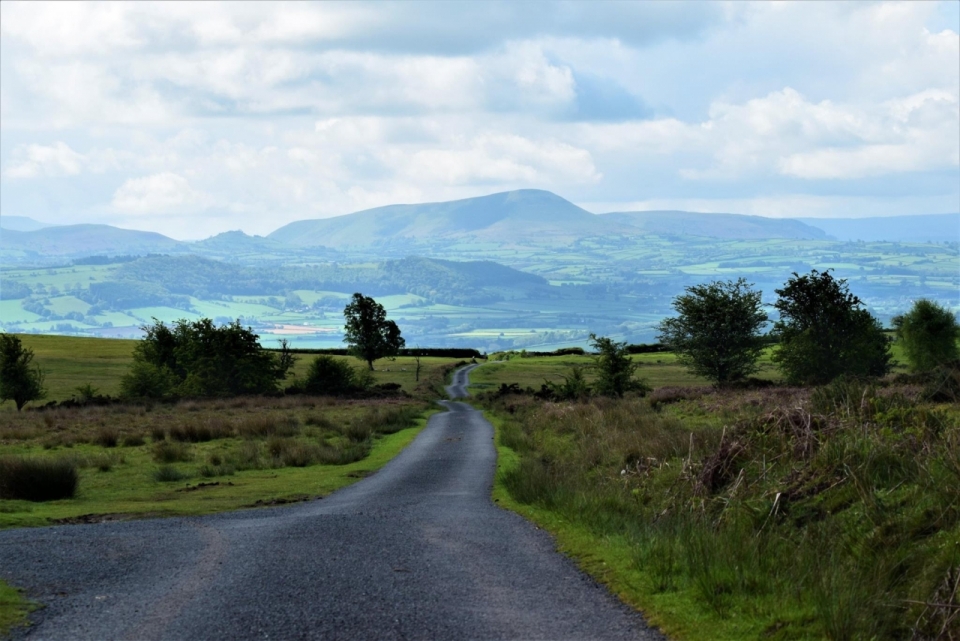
pixel 928 333
pixel 259 426
pixel 717 331
pixel 191 359
pixel 166 452
pixel 824 332
pixel 168 474
pixel 133 440
pixel 331 376
pixel 37 479
pixel 19 382
pixel 615 369
pixel 107 437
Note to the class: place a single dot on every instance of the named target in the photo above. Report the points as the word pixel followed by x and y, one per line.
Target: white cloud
pixel 159 193
pixel 30 161
pixel 274 112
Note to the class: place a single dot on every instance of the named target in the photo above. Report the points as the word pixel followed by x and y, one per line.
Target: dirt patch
pixel 84 519
pixel 283 500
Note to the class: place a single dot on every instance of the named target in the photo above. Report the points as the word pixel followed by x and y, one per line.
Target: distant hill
pixel 727 226
pixel 21 223
pixel 921 228
pixel 87 240
pixel 527 215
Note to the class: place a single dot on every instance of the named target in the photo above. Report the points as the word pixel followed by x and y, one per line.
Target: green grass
pixel 722 517
pixel 123 480
pixel 70 361
pixel 13 608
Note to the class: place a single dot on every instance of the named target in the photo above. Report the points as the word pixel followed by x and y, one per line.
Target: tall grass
pixel 834 514
pixel 37 479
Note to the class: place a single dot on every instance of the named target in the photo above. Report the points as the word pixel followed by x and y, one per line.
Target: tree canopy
pixel 201 359
pixel 20 381
pixel 368 332
pixel 928 333
pixel 615 370
pixel 824 332
pixel 716 333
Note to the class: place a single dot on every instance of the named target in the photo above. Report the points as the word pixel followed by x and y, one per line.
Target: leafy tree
pixel 19 381
pixel 368 332
pixel 717 332
pixel 929 334
pixel 825 333
pixel 331 376
pixel 202 359
pixel 614 368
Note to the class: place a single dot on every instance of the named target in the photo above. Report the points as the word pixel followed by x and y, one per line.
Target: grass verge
pixel 14 608
pixel 782 514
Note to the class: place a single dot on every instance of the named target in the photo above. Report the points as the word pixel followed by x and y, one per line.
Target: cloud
pixel 254 114
pixel 159 193
pixel 30 161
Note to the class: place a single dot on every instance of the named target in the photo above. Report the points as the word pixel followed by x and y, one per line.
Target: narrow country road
pixel 416 551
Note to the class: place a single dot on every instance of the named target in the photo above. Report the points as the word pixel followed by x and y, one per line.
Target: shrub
pixel 198 358
pixel 166 452
pixel 331 376
pixel 929 334
pixel 824 332
pixel 133 440
pixel 158 433
pixel 262 425
pixel 717 331
pixel 615 369
pixel 197 432
pixel 37 479
pixel 168 474
pixel 19 382
pixel 107 437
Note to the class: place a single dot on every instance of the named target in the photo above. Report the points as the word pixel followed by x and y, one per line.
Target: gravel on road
pixel 416 551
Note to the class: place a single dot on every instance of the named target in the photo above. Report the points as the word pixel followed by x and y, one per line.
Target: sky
pixel 192 119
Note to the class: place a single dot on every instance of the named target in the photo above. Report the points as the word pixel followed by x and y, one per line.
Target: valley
pixel 518 270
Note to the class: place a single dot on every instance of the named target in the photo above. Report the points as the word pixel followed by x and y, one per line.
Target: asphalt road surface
pixel 416 551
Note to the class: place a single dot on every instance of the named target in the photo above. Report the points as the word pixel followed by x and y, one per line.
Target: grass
pixel 69 362
pixel 13 608
pixel 774 514
pixel 272 449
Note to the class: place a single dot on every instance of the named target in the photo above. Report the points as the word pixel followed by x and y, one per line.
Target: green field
pixel 610 286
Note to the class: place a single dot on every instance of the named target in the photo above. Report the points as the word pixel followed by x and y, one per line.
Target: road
pixel 416 551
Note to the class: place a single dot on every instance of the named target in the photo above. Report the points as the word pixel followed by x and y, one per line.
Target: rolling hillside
pixel 728 226
pixel 527 215
pixel 86 240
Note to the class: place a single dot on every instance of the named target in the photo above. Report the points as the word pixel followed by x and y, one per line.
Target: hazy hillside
pixel 84 240
pixel 527 215
pixel 921 228
pixel 729 226
pixel 21 223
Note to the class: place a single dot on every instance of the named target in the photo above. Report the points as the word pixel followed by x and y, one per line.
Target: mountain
pixel 529 215
pixel 87 240
pixel 727 226
pixel 921 228
pixel 21 223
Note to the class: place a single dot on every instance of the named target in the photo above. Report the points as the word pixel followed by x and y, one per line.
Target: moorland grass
pixel 272 449
pixel 780 514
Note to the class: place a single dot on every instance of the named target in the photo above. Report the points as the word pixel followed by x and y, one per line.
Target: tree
pixel 19 381
pixel 824 332
pixel 368 332
pixel 331 376
pixel 717 331
pixel 928 333
pixel 614 368
pixel 201 359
